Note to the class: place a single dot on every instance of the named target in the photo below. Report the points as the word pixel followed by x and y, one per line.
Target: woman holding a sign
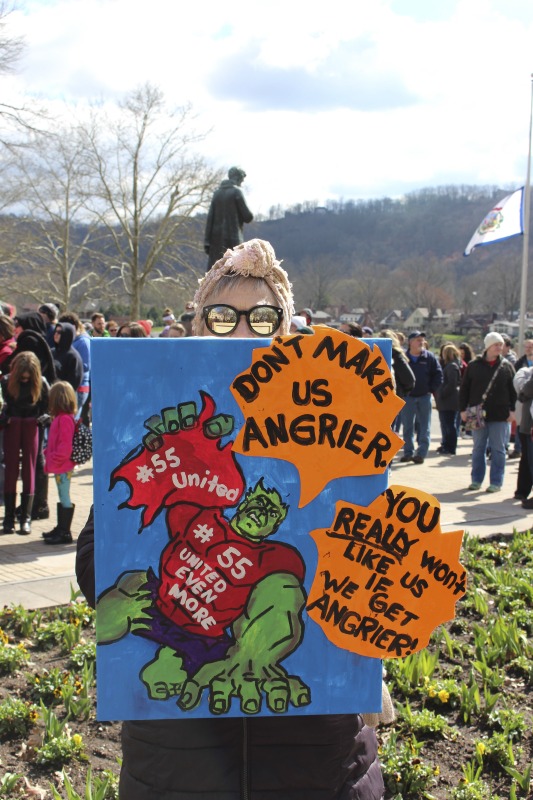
pixel 246 294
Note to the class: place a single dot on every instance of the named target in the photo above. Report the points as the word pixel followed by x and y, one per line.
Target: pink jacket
pixel 59 449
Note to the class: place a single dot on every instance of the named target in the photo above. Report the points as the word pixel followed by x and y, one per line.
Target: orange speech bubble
pixel 386 575
pixel 325 402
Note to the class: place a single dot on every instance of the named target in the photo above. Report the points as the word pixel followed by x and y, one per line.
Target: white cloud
pixel 313 99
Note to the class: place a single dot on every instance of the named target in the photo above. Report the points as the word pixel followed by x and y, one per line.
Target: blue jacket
pixel 427 372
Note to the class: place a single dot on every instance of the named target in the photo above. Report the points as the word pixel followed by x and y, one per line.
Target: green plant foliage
pixel 104 787
pixel 17 717
pixel 12 657
pixel 404 773
pixel 425 723
pixel 47 685
pixel 83 653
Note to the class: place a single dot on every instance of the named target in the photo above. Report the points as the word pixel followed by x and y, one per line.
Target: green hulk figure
pixel 226 608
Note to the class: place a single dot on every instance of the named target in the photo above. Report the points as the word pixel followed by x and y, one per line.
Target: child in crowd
pixel 58 457
pixel 26 399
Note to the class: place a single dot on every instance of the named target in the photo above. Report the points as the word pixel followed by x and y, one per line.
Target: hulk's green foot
pixel 164 676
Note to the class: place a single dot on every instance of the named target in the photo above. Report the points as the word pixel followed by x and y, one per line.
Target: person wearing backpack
pixel 58 457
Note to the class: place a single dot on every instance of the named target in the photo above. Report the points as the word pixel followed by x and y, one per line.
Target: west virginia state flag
pixel 504 220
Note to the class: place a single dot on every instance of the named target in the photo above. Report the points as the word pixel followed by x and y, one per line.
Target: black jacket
pixel 68 362
pixel 501 398
pixel 403 374
pixel 448 393
pixel 292 758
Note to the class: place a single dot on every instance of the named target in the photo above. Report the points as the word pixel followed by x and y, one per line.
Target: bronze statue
pixel 227 214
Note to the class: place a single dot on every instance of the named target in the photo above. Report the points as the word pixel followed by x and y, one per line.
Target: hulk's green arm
pixel 268 630
pixel 271 626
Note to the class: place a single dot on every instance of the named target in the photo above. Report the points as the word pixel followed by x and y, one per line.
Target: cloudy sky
pixel 316 100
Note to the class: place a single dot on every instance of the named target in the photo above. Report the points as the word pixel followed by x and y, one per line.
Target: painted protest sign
pixel 205 539
pixel 408 574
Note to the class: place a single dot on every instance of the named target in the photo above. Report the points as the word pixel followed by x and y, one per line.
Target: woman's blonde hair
pixel 62 399
pixel 450 353
pixel 25 362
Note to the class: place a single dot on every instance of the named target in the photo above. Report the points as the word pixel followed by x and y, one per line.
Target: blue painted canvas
pixel 204 558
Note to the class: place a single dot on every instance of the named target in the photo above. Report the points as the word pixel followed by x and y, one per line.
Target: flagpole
pixel 527 193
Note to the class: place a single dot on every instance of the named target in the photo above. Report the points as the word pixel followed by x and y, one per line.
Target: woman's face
pixel 494 351
pixel 244 297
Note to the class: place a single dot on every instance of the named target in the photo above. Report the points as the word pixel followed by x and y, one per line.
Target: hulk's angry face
pixel 260 513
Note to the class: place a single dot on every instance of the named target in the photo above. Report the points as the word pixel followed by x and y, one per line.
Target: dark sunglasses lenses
pixel 262 320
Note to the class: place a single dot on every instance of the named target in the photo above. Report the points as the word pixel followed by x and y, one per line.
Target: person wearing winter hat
pixel 488 381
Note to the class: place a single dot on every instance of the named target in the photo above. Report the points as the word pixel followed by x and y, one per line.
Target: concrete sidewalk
pixel 36 575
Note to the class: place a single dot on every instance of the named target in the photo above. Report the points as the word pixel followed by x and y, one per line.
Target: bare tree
pixel 146 185
pixel 11 50
pixel 54 257
pixel 316 280
pixel 419 282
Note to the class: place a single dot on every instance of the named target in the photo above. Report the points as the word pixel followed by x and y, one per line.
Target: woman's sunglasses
pixel 221 320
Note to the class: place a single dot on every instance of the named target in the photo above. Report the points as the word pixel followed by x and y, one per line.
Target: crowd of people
pixel 39 349
pixel 486 397
pixel 45 383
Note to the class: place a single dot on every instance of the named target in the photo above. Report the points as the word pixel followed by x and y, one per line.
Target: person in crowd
pixel 168 320
pixel 176 330
pixel 68 362
pixel 82 345
pixel 209 758
pixel 448 398
pixel 508 351
pixel 297 322
pixel 352 329
pixel 186 320
pixel 98 325
pixel 488 380
pixel 147 324
pixel 111 327
pixel 49 312
pixel 29 321
pixel 466 352
pixel 417 408
pixel 512 435
pixel 29 340
pixel 368 331
pixel 525 360
pixel 404 379
pixel 524 481
pixel 308 314
pixel 7 341
pixel 7 347
pixel 58 457
pixel 131 330
pixel 26 400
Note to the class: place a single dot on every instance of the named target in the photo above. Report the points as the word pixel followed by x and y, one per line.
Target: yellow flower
pixel 444 696
pixel 436 770
pixel 432 691
pixel 77 740
pixel 480 749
